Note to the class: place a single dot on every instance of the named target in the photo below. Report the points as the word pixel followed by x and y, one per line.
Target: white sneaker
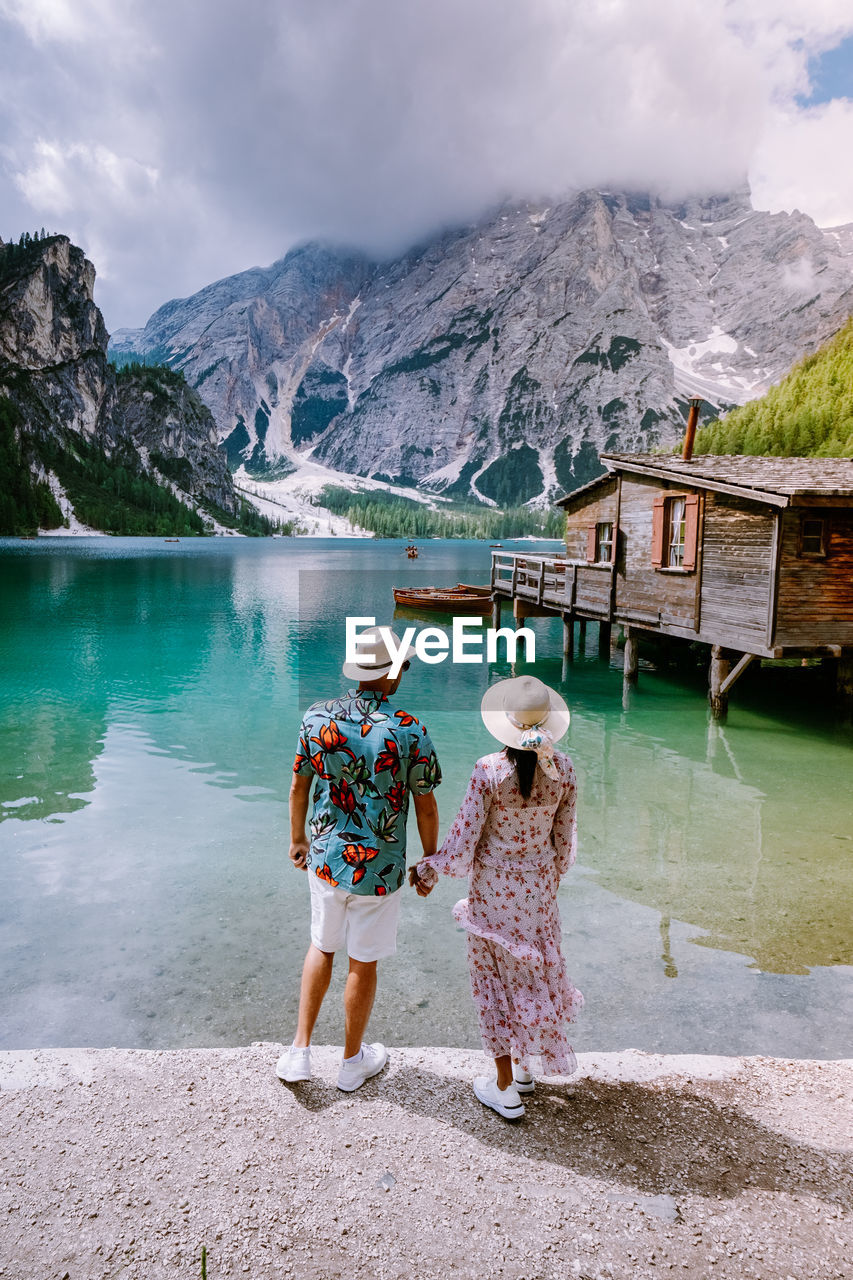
pixel 294 1065
pixel 352 1075
pixel 506 1101
pixel 524 1081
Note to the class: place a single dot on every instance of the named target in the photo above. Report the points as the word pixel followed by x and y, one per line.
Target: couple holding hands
pixel 513 838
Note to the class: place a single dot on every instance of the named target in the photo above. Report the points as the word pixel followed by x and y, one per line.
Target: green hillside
pixel 809 414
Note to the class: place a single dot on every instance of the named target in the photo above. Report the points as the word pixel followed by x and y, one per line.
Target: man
pixel 365 756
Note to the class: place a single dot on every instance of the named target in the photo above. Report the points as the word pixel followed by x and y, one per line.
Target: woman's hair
pixel 525 767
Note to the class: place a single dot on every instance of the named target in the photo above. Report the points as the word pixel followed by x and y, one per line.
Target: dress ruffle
pixel 520 1013
pixel 523 950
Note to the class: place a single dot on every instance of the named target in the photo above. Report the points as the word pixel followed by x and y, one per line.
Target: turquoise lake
pixel 150 695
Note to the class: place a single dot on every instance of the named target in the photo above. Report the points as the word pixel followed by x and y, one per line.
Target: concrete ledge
pixel 126 1163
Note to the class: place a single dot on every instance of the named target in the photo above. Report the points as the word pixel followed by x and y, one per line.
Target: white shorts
pixel 363 923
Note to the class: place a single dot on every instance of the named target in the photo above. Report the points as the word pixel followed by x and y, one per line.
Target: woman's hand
pixel 423 890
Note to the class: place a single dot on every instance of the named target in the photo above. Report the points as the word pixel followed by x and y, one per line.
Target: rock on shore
pixel 127 1163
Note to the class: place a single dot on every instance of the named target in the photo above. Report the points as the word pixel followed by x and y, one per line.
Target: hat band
pixel 537 724
pixel 376 666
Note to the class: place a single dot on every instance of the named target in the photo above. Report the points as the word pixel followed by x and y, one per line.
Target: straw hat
pixel 372 645
pixel 512 706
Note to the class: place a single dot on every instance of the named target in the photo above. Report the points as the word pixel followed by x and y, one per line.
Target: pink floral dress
pixel 514 852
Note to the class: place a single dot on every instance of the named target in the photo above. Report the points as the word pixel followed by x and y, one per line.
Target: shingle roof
pixel 785 476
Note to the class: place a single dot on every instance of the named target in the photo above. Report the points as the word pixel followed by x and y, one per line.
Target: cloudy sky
pixel 179 142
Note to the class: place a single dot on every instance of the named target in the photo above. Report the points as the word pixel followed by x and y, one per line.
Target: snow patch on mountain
pixel 697 373
pixel 297 497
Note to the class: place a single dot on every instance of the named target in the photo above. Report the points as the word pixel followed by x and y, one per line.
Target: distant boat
pixel 412 551
pixel 171 539
pixel 463 598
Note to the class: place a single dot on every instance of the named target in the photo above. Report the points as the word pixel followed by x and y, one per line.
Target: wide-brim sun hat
pixel 512 707
pixel 372 644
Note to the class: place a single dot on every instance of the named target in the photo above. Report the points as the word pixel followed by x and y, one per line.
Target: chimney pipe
pixel 690 433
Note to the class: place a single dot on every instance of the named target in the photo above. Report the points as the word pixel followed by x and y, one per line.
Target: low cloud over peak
pixel 178 145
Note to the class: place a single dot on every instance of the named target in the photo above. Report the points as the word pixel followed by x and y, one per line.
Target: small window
pixel 675 532
pixel 676 527
pixel 604 542
pixel 813 538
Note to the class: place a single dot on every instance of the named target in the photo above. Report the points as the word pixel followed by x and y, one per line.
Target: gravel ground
pixel 120 1163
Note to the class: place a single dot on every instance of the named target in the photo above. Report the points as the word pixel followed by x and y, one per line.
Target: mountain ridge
pixel 497 361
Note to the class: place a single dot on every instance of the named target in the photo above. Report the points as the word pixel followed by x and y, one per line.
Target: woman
pixel 514 837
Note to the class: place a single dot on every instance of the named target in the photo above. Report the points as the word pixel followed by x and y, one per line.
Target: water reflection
pixel 744 830
pixel 149 703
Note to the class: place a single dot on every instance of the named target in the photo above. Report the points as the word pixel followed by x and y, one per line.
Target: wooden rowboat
pixel 463 598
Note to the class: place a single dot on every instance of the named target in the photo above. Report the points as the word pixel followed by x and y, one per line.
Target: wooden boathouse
pixel 752 556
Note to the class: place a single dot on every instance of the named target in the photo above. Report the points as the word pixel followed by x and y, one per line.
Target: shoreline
pixel 127 1162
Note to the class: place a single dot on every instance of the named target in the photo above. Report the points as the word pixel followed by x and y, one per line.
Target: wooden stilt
pixel 632 655
pixel 669 966
pixel 568 638
pixel 844 677
pixel 719 670
pixel 604 639
pixel 582 636
pixel 496 612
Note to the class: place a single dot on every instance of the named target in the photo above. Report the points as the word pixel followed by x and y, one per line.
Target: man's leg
pixel 316 976
pixel 358 1002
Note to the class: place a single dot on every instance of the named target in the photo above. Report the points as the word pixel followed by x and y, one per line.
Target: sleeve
pixel 424 773
pixel 564 832
pixel 456 854
pixel 302 764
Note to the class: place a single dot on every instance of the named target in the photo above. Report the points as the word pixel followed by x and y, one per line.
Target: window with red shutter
pixel 590 544
pixel 658 521
pixel 675 531
pixel 691 530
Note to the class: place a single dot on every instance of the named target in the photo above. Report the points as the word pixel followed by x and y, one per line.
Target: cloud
pixel 63 21
pixel 798 277
pixel 59 181
pixel 801 162
pixel 185 149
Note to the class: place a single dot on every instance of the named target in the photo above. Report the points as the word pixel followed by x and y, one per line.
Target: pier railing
pixel 554 582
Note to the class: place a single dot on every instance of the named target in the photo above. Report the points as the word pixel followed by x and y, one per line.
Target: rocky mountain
pixel 174 433
pixel 496 361
pixel 64 409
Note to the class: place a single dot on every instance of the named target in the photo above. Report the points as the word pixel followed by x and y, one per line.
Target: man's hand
pixel 424 890
pixel 299 854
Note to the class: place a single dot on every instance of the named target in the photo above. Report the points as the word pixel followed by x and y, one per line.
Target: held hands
pixel 424 890
pixel 299 854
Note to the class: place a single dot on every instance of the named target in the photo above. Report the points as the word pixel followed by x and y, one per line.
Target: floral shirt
pixel 366 756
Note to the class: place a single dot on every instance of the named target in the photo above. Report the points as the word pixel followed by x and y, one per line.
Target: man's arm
pixel 426 813
pixel 300 790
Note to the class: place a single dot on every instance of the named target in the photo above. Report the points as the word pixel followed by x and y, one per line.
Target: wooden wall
pixel 816 593
pixel 592 591
pixel 737 557
pixel 642 590
pixel 602 507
